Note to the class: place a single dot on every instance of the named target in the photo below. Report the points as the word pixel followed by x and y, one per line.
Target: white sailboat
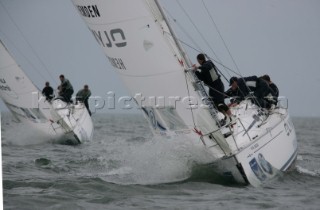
pixel 61 122
pixel 141 45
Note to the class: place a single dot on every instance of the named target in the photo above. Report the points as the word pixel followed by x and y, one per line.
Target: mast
pixel 194 79
pixel 180 48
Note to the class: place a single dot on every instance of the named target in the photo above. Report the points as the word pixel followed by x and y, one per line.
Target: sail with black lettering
pixel 140 44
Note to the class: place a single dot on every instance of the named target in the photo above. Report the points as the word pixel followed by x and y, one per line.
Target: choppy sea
pixel 125 167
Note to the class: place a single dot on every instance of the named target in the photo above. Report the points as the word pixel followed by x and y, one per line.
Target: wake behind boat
pixel 60 121
pixel 141 45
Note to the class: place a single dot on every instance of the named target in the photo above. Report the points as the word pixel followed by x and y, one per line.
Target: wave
pixel 301 170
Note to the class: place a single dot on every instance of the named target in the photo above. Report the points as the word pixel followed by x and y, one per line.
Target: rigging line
pixel 41 75
pixel 183 30
pixel 215 25
pixel 191 109
pixel 197 29
pixel 224 43
pixel 45 67
pixel 205 6
pixel 199 51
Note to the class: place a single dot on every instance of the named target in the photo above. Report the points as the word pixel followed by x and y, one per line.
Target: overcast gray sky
pixel 280 38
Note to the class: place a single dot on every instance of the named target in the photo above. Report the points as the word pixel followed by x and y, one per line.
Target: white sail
pixel 142 47
pixel 26 103
pixel 17 91
pixel 138 48
pixel 139 45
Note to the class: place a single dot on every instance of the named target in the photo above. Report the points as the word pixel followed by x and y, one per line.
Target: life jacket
pixel 209 73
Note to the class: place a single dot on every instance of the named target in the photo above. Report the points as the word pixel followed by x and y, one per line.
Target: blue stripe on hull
pixel 290 161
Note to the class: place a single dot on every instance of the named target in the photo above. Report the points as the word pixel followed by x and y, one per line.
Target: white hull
pixel 273 152
pixel 260 153
pixel 74 120
pixel 65 124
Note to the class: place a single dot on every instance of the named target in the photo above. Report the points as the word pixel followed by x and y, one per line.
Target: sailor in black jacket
pixel 47 91
pixel 209 75
pixel 242 87
pixel 274 91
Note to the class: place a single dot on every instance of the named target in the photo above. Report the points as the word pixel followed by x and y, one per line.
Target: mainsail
pixel 138 43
